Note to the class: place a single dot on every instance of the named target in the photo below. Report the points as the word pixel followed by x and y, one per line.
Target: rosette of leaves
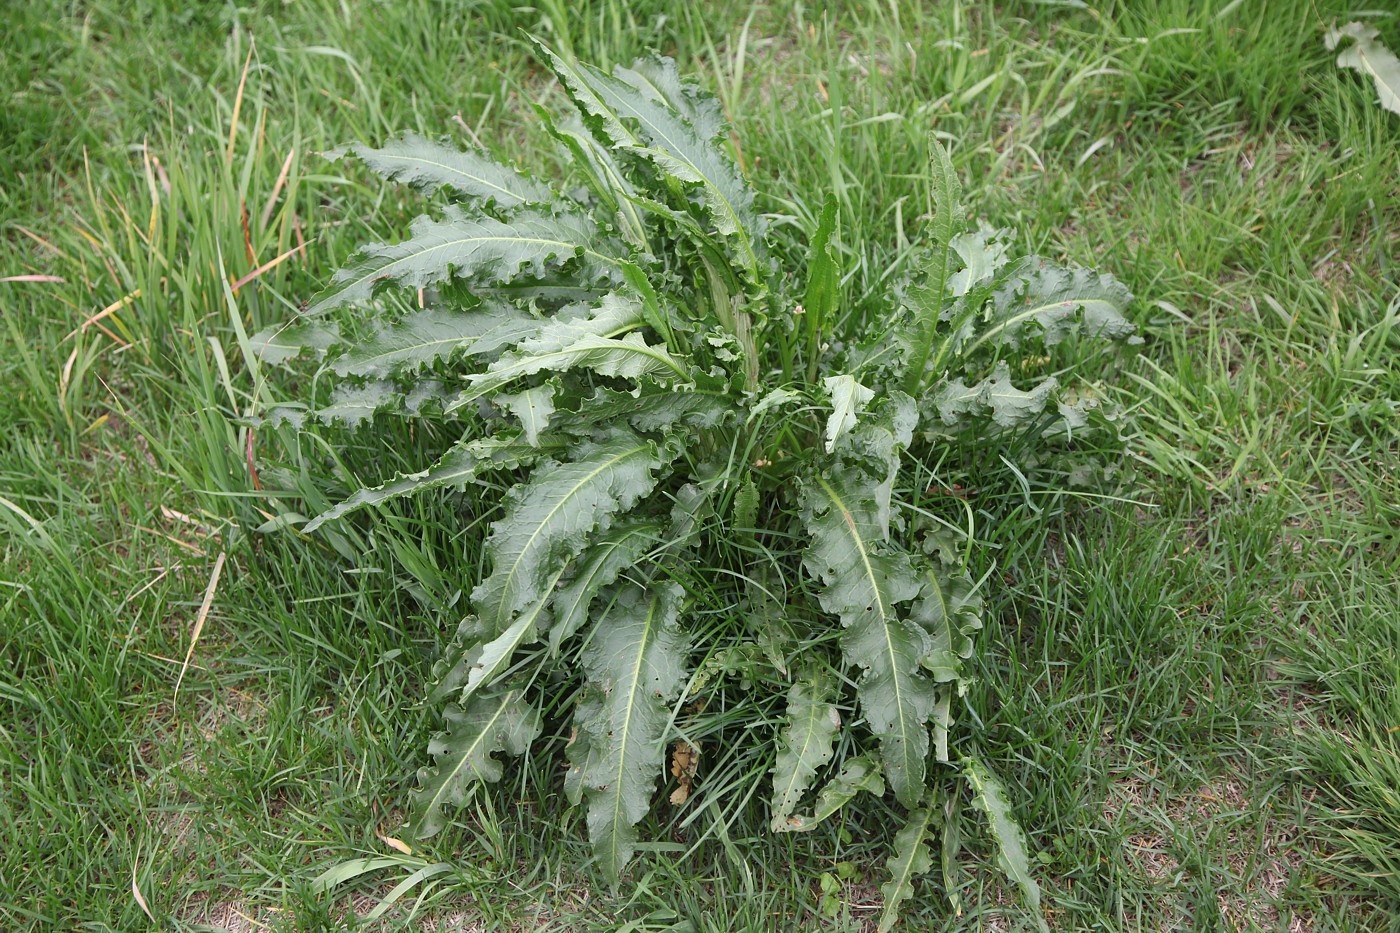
pixel 682 445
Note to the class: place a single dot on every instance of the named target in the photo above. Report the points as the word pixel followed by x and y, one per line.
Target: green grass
pixel 1194 692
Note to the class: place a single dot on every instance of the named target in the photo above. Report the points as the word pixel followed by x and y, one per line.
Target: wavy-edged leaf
pixel 911 858
pixel 848 400
pixel 653 408
pixel 927 299
pixel 532 408
pixel 430 165
pixel 285 342
pixel 635 664
pixel 607 556
pixel 864 580
pixel 1367 55
pixel 497 723
pixel 478 249
pixel 644 109
pixel 989 796
pixel 805 745
pixel 422 338
pixel 857 774
pixel 461 465
pixel 950 611
pixel 996 395
pixel 630 357
pixel 1053 303
pixel 549 519
pixel 823 284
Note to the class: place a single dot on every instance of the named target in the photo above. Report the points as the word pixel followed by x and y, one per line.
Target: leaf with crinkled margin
pixel 857 774
pixel 927 300
pixel 631 358
pixel 630 109
pixel 478 249
pixel 950 611
pixel 285 342
pixel 461 465
pixel 989 796
pixel 635 664
pixel 497 723
pixel 864 580
pixel 805 745
pixel 911 858
pixel 653 408
pixel 848 400
pixel 997 395
pixel 430 165
pixel 423 337
pixel 1368 56
pixel 533 408
pixel 549 519
pixel 1060 302
pixel 607 556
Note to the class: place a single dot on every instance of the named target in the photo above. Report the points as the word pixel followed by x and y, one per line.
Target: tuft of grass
pixel 1196 691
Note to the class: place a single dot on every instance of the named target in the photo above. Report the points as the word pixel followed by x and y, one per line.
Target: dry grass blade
pixel 199 621
pixel 267 266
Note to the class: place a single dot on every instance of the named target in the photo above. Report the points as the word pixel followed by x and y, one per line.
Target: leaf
pixel 582 339
pixel 823 284
pixel 285 342
pixel 1009 406
pixel 549 519
pixel 857 774
pixel 609 554
pixel 480 249
pixel 911 859
pixel 1060 302
pixel 424 337
pixel 635 667
pixel 644 110
pixel 927 299
pixel 989 796
pixel 805 745
pixel 848 400
pixel 533 408
pixel 1367 55
pixel 430 165
pixel 456 469
pixel 864 580
pixel 651 408
pixel 502 722
pixel 949 611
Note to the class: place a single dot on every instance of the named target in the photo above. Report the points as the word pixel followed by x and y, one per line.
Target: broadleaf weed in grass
pixel 719 488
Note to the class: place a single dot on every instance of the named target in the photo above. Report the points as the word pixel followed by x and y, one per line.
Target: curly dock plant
pixel 710 486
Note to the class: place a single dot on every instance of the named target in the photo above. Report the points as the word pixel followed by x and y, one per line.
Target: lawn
pixel 1192 686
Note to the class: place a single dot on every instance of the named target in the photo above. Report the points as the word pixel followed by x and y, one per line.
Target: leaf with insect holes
pixel 857 774
pixel 910 859
pixel 989 796
pixel 462 465
pixel 805 745
pixel 1368 56
pixel 425 337
pixel 634 664
pixel 480 250
pixel 429 165
pixel 499 723
pixel 549 519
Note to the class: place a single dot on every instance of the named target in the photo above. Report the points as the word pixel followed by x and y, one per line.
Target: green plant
pixel 724 509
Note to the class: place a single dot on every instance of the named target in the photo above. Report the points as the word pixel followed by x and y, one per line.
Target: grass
pixel 1194 691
